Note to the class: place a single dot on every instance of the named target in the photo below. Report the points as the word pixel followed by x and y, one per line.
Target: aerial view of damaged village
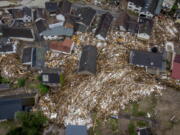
pixel 89 67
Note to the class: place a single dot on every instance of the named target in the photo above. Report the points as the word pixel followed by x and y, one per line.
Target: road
pixel 99 11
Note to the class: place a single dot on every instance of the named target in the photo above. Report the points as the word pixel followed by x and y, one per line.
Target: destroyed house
pixel 76 130
pixel 65 6
pixel 86 17
pixel 41 25
pixel 7 47
pixel 87 64
pixel 50 78
pixel 24 34
pixel 122 21
pixel 9 106
pixel 52 7
pixel 147 59
pixel 65 46
pixel 104 26
pixel 176 68
pixel 57 32
pixel 145 29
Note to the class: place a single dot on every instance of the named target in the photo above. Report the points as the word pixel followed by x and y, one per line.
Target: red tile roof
pixel 62 46
pixel 176 68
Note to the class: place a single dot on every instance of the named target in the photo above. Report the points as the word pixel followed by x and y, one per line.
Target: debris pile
pixel 115 85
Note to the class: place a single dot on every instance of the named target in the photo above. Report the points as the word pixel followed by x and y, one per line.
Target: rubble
pixel 115 85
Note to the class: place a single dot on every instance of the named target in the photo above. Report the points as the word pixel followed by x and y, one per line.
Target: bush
pixel 62 80
pixel 3 80
pixel 42 88
pixel 21 82
pixel 131 129
pixel 31 123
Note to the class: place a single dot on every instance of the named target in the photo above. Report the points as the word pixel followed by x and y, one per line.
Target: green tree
pixel 21 82
pixel 42 88
pixel 31 123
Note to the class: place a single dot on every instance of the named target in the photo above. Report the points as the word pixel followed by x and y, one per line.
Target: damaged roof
pixel 41 25
pixel 62 46
pixel 86 15
pixel 104 25
pixel 147 59
pixel 87 64
pixel 146 26
pixel 65 6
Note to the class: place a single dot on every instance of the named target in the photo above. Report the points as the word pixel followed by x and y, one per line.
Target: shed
pixel 87 64
pixel 76 130
pixel 104 26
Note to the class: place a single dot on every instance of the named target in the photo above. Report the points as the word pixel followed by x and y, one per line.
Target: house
pixel 10 105
pixel 144 131
pixel 144 8
pixel 33 57
pixel 7 47
pixel 104 26
pixel 41 25
pixel 57 32
pixel 168 4
pixel 149 60
pixel 38 58
pixel 145 29
pixel 76 130
pixel 4 86
pixel 87 64
pixel 27 55
pixel 177 16
pixel 51 78
pixel 24 14
pixel 52 8
pixel 86 17
pixel 65 7
pixel 65 46
pixel 176 68
pixel 24 34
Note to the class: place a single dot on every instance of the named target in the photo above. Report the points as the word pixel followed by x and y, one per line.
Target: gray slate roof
pixel 17 32
pixel 58 31
pixel 41 25
pixel 76 130
pixel 147 59
pixel 9 107
pixel 87 62
pixel 38 58
pixel 104 24
pixel 27 55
